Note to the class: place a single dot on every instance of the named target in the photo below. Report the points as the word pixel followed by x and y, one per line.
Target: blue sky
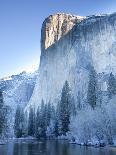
pixel 20 28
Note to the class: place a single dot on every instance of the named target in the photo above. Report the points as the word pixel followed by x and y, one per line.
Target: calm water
pixel 51 147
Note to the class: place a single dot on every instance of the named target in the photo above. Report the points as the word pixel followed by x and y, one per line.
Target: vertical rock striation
pixel 56 26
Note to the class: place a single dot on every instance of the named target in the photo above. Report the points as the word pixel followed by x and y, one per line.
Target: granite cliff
pixel 70 45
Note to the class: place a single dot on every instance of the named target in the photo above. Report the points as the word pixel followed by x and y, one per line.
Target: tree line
pixel 50 120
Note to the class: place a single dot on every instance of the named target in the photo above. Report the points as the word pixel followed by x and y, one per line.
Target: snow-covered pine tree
pixel 92 88
pixel 19 122
pixel 1 100
pixel 56 130
pixel 6 111
pixel 42 126
pixel 111 85
pixel 31 122
pixel 53 112
pixel 64 109
pixel 37 123
pixel 48 113
pixel 57 121
pixel 3 115
pixel 23 123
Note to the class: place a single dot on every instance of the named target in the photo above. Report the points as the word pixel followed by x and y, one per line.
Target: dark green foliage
pixel 65 109
pixel 48 120
pixel 6 110
pixel 44 115
pixel 56 130
pixel 111 85
pixel 19 122
pixel 92 88
pixel 48 113
pixel 37 125
pixel 41 122
pixel 31 122
pixel 1 100
pixel 57 122
pixel 3 114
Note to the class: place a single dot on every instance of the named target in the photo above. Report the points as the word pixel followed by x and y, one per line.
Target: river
pixel 51 147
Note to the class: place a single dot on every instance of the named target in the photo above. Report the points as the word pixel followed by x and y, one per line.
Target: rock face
pixel 56 26
pixel 70 46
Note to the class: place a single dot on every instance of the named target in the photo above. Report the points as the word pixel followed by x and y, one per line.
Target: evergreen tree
pixel 64 109
pixel 49 113
pixel 25 124
pixel 92 88
pixel 1 100
pixel 3 114
pixel 22 122
pixel 53 113
pixel 7 111
pixel 41 121
pixel 111 85
pixel 38 120
pixel 57 122
pixel 56 130
pixel 19 122
pixel 31 122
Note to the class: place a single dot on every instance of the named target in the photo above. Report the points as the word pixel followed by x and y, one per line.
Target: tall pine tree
pixel 3 114
pixel 64 109
pixel 1 100
pixel 31 122
pixel 41 121
pixel 37 123
pixel 48 113
pixel 92 88
pixel 111 85
pixel 19 122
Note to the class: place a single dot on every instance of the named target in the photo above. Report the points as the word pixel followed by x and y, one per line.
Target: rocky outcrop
pixel 56 26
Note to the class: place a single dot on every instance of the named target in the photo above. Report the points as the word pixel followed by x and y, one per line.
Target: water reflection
pixel 31 147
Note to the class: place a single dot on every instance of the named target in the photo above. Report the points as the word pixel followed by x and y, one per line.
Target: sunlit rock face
pixel 56 26
pixel 68 54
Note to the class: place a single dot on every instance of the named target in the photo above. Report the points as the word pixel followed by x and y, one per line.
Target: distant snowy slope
pixel 18 88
